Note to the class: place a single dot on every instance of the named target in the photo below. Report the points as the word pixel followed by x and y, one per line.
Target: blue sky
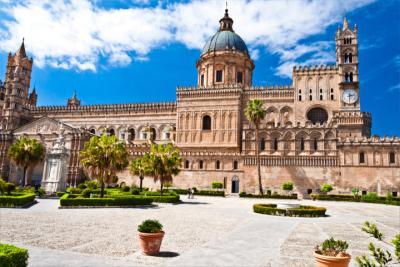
pixel 140 50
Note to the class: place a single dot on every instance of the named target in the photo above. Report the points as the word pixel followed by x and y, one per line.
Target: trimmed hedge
pixel 213 193
pixel 17 200
pixel 60 194
pixel 369 198
pixel 11 256
pixel 68 200
pixel 303 211
pixel 164 199
pixel 244 194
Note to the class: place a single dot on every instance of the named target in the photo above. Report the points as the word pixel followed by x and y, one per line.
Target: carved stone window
pixel 392 157
pixel 206 122
pixel 217 165
pixel 239 78
pixel 218 76
pixel 362 157
pixel 186 164
pixel 202 80
pixel 235 165
pixel 201 164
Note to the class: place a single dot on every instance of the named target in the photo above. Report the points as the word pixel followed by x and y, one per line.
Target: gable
pixel 45 125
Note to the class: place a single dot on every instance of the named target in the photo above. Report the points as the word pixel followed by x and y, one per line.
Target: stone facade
pixel 313 133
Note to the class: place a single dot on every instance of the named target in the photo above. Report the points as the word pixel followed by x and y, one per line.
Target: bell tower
pixel 16 84
pixel 347 61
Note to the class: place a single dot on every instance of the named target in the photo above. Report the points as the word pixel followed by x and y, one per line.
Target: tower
pixel 16 84
pixel 347 61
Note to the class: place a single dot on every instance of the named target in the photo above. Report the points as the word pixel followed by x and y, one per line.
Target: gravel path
pixel 201 232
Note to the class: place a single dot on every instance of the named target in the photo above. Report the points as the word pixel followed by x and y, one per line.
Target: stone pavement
pixel 206 231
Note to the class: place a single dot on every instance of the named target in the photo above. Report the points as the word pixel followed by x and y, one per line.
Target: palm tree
pixel 255 113
pixel 163 162
pixel 138 167
pixel 103 157
pixel 26 153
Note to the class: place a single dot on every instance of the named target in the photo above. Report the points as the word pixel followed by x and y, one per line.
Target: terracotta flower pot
pixel 329 261
pixel 151 242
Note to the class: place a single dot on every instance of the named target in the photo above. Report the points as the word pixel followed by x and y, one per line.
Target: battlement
pixel 236 86
pixel 374 140
pixel 319 68
pixel 139 107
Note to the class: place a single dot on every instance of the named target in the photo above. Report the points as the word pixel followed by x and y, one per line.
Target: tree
pixel 26 153
pixel 103 157
pixel 162 163
pixel 288 186
pixel 255 113
pixel 138 166
pixel 326 188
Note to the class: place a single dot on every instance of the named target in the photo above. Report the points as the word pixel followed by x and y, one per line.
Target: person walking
pixel 189 193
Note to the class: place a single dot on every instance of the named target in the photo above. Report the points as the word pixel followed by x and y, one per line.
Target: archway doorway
pixel 235 185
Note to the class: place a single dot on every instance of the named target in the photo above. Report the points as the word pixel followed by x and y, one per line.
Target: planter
pixel 151 242
pixel 329 261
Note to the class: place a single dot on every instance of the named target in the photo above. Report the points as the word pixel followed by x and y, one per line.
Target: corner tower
pixel 225 60
pixel 16 84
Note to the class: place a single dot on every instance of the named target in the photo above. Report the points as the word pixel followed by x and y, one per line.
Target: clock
pixel 349 96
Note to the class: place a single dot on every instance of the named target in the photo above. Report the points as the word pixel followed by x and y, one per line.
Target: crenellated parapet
pixel 317 69
pixel 374 140
pixel 137 108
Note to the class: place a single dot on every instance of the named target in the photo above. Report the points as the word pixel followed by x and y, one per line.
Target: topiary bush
pixel 302 211
pixel 274 195
pixel 369 198
pixel 11 256
pixel 135 191
pixel 17 200
pixel 326 188
pixel 150 226
pixel 86 192
pixel 125 189
pixel 60 194
pixel 217 185
pixel 288 186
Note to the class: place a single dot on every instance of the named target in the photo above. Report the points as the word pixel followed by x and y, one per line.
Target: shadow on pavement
pixel 167 254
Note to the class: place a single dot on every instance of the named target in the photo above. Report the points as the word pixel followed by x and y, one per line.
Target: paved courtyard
pixel 206 231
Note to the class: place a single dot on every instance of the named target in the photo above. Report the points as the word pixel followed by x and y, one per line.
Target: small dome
pixel 225 40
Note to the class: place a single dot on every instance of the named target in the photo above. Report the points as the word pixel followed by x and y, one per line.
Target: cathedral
pixel 314 131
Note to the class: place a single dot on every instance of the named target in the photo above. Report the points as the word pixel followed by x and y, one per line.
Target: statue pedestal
pixel 55 168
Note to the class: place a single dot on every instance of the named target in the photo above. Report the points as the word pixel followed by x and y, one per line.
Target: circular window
pixel 317 115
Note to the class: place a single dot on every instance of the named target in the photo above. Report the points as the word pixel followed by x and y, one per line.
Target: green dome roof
pixel 225 38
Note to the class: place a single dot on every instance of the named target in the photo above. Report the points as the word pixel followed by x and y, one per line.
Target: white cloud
pixel 78 33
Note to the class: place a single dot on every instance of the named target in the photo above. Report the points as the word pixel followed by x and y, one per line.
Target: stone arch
pixel 286 113
pixel 272 115
pixel 317 114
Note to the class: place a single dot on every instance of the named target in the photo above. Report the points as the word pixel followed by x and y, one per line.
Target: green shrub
pixel 9 187
pixel 326 188
pixel 372 229
pixel 86 192
pixel 73 190
pixel 217 185
pixel 135 191
pixel 355 191
pixel 74 200
pixel 165 199
pixel 93 184
pixel 60 194
pixel 370 197
pixel 17 201
pixel 150 226
pixel 332 247
pixel 126 189
pixel 269 192
pixel 82 186
pixel 302 211
pixel 288 186
pixel 396 243
pixel 11 256
pixel 40 192
pixel 275 195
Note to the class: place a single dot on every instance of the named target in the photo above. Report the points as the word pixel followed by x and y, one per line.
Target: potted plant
pixel 150 235
pixel 332 253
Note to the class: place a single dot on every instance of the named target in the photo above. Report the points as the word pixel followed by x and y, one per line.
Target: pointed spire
pixel 345 24
pixel 21 51
pixel 74 95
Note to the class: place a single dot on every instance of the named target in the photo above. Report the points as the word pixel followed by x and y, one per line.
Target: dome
pixel 225 40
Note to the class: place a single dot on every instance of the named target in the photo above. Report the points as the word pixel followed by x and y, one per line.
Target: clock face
pixel 349 96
